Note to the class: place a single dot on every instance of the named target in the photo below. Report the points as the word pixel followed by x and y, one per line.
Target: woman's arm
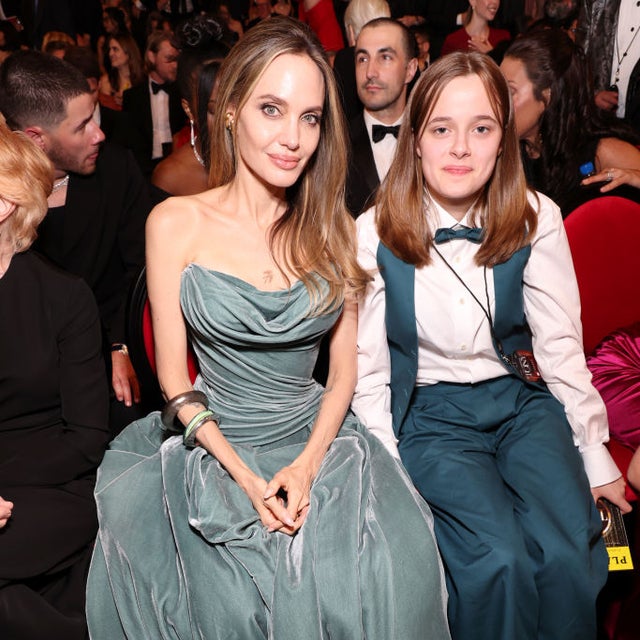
pixel 372 399
pixel 617 163
pixel 170 233
pixel 296 479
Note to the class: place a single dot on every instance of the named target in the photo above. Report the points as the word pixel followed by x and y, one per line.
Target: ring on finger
pixel 609 176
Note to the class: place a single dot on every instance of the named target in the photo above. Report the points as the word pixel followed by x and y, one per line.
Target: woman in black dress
pixel 53 414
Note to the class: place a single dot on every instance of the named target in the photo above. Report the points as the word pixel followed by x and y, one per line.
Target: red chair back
pixel 149 345
pixel 604 234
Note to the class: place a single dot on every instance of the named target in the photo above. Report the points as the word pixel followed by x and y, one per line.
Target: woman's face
pixel 117 55
pixel 527 108
pixel 485 9
pixel 108 24
pixel 460 144
pixel 278 129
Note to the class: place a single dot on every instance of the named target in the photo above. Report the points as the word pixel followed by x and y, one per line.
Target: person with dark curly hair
pixel 559 128
pixel 202 47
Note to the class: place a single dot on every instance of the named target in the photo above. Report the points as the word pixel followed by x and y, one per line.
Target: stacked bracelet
pixel 195 423
pixel 176 403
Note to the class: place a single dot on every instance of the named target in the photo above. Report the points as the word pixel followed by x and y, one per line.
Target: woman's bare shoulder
pixel 614 152
pixel 179 212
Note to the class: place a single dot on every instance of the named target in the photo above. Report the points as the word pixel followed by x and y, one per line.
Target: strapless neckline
pixel 241 282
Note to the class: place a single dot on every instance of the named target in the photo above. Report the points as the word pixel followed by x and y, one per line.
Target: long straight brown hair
pixel 316 234
pixel 504 211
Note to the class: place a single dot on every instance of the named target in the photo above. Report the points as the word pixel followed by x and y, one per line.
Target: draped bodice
pixel 256 351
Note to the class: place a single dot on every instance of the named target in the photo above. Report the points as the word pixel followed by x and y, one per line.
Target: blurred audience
pixel 202 48
pixel 559 128
pixel 153 106
pixel 124 70
pixel 477 34
pixel 113 21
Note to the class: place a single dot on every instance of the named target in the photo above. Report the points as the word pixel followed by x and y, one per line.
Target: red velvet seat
pixel 140 336
pixel 603 235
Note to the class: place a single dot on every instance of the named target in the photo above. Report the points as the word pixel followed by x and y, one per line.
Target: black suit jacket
pixel 99 233
pixel 344 69
pixel 136 103
pixel 362 175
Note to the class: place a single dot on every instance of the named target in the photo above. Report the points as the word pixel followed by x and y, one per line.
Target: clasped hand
pixel 282 503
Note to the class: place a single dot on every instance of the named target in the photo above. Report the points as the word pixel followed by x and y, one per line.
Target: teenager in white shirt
pixel 473 276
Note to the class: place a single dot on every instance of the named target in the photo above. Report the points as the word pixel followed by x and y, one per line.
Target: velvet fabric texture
pixel 181 552
pixel 615 366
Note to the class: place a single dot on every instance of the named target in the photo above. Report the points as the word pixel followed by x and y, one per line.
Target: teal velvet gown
pixel 181 552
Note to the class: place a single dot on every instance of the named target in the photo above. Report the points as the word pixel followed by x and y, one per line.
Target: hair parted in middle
pixel 316 232
pixel 130 48
pixel 503 209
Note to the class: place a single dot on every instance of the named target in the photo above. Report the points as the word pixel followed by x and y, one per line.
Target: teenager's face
pixel 278 129
pixel 75 143
pixel 527 109
pixel 460 144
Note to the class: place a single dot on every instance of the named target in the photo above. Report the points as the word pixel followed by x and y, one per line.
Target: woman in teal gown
pixel 287 519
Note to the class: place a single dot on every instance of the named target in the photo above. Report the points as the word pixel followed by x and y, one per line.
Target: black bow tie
pixel 471 234
pixel 155 87
pixel 379 131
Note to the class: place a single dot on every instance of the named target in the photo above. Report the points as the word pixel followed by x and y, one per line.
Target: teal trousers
pixel 515 521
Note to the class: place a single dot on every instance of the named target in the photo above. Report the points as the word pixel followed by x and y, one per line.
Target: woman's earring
pixel 193 132
pixel 228 121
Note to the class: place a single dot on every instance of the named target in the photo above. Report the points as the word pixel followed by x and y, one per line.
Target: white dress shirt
pixel 454 340
pixel 160 121
pixel 384 150
pixel 626 35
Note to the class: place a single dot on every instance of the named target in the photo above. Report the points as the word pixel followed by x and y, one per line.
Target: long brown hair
pixel 505 213
pixel 130 48
pixel 316 233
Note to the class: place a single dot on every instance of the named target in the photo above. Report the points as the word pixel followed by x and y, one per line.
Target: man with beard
pixel 99 204
pixel 385 64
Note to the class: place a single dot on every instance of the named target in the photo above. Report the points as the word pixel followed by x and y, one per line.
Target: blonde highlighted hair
pixel 316 233
pixel 503 209
pixel 26 180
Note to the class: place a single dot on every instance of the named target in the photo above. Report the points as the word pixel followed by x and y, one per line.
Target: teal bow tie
pixel 473 234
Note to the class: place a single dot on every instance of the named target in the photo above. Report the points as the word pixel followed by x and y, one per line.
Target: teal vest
pixel 510 324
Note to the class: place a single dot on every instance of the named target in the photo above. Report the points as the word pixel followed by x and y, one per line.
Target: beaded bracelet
pixel 195 423
pixel 176 403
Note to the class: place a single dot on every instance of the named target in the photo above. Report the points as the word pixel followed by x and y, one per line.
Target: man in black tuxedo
pixel 385 64
pixel 99 204
pixel 153 108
